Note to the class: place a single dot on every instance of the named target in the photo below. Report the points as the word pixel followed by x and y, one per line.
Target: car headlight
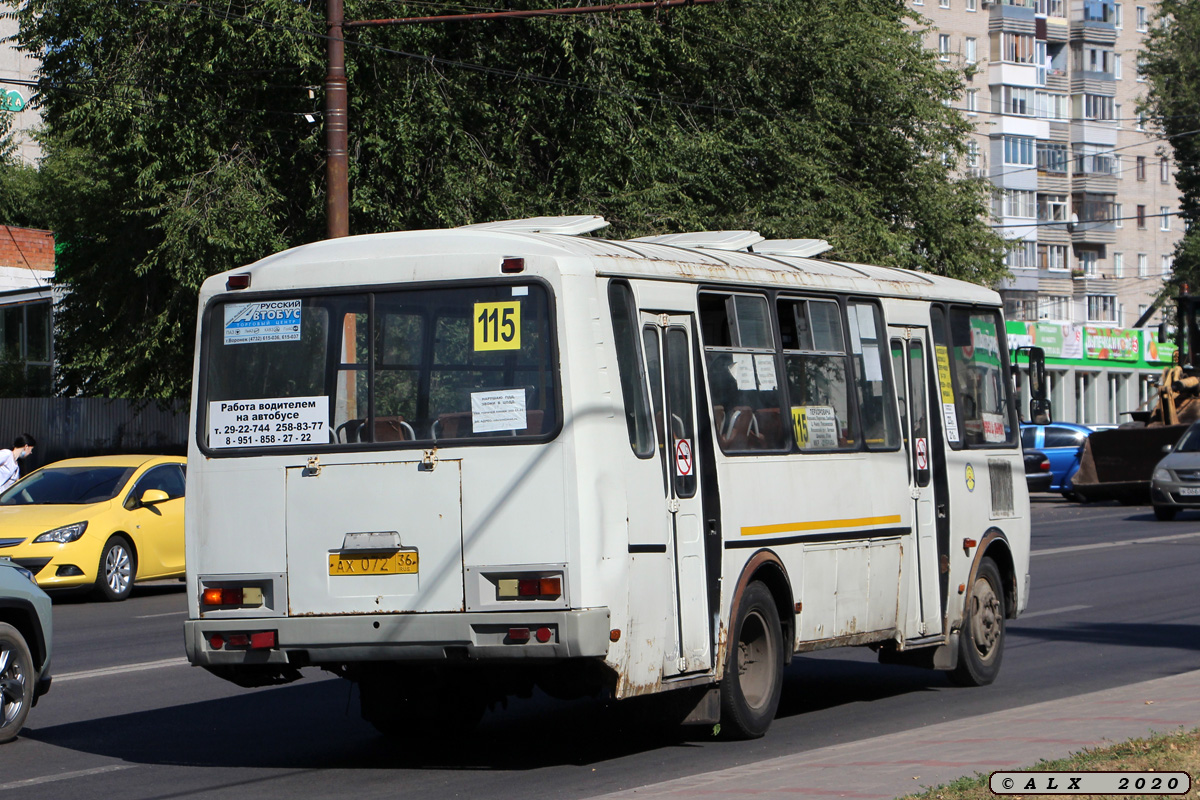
pixel 67 533
pixel 1161 475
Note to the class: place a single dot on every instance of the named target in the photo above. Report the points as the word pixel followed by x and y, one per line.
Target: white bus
pixel 456 465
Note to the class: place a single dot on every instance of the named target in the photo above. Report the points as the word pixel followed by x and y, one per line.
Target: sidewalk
pixel 903 763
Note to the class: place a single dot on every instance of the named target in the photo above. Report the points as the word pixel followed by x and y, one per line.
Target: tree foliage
pixel 1171 65
pixel 176 144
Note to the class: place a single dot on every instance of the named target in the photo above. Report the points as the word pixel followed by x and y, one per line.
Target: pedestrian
pixel 9 471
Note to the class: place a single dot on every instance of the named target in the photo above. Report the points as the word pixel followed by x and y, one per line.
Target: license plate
pixel 1190 490
pixel 404 562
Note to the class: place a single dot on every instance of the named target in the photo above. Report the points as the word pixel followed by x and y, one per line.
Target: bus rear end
pixel 377 488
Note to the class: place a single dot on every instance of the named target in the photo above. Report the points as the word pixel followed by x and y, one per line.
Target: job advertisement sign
pixel 268 422
pixel 265 321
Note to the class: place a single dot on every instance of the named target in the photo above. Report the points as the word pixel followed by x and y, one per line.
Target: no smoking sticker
pixel 922 456
pixel 683 456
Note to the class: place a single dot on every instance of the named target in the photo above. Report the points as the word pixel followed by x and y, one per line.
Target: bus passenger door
pixel 910 364
pixel 667 341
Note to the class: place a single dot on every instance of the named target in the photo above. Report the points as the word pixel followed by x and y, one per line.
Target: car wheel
pixel 753 677
pixel 1165 513
pixel 981 641
pixel 16 682
pixel 118 568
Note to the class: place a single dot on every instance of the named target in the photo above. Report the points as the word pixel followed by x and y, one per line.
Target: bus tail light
pixel 512 264
pixel 261 640
pixel 533 587
pixel 225 596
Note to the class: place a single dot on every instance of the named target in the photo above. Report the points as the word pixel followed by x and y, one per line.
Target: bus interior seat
pixel 770 427
pixel 351 431
pixel 393 429
pixel 738 429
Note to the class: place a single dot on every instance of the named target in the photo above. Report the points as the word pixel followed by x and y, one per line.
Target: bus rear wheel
pixel 981 641
pixel 753 678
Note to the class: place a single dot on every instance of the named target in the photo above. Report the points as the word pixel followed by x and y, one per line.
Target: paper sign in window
pixel 501 410
pixel 815 427
pixel 497 326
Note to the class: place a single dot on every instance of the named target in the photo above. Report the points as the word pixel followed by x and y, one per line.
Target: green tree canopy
pixel 1171 65
pixel 177 143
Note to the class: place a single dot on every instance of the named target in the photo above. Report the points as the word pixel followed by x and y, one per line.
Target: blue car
pixel 1062 442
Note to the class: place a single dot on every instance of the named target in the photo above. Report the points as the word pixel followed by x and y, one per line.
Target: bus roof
pixel 365 260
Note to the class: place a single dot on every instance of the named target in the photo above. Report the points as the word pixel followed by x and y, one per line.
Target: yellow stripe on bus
pixel 791 527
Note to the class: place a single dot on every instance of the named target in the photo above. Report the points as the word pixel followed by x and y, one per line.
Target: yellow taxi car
pixel 106 522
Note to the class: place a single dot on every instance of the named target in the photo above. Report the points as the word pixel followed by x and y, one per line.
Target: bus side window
pixel 743 376
pixel 876 399
pixel 816 369
pixel 629 366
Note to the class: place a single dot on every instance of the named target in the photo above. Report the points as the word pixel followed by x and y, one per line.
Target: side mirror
pixel 152 496
pixel 1167 448
pixel 1039 405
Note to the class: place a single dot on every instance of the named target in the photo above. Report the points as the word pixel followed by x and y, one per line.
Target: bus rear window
pixel 420 366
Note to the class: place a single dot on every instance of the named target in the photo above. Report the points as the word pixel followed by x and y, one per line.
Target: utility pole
pixel 337 188
pixel 337 181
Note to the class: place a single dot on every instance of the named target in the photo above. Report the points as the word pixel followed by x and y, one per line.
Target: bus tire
pixel 981 641
pixel 753 678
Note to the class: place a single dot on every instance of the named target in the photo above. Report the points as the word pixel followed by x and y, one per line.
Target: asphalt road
pixel 1114 602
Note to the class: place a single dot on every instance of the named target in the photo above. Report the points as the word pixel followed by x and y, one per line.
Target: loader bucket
pixel 1117 464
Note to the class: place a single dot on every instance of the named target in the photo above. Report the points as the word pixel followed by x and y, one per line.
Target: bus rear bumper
pixel 304 641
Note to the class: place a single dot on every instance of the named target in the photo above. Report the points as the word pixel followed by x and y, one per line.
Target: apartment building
pixel 1084 192
pixel 17 74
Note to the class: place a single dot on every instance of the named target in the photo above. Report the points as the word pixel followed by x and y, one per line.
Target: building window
pixel 1022 255
pixel 1118 168
pixel 1118 20
pixel 25 349
pixel 1094 106
pixel 1016 48
pixel 971 49
pixel 1052 208
pixel 1118 265
pixel 1052 157
pixel 943 3
pixel 1141 19
pixel 1118 215
pixel 1014 203
pixel 1166 265
pixel 1141 71
pixel 1053 256
pixel 1019 150
pixel 972 101
pixel 1093 159
pixel 972 5
pixel 1117 70
pixel 1141 217
pixel 974 166
pixel 1051 306
pixel 1164 218
pixel 1143 265
pixel 1141 168
pixel 1051 8
pixel 944 46
pixel 1051 106
pixel 1017 100
pixel 1164 170
pixel 1089 261
pixel 1101 308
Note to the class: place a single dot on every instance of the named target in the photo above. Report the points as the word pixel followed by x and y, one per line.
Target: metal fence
pixel 67 427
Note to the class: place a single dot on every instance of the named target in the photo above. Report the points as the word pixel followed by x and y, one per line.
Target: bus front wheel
pixel 753 678
pixel 981 641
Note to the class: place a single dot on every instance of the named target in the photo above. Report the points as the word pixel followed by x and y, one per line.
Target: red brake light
pixel 1045 466
pixel 239 281
pixel 511 265
pixel 518 635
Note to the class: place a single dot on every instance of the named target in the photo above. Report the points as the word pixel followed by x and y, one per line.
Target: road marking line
pixel 167 614
pixel 1050 611
pixel 105 671
pixel 66 776
pixel 1101 545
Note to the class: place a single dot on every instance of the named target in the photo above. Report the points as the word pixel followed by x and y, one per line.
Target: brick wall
pixel 26 248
